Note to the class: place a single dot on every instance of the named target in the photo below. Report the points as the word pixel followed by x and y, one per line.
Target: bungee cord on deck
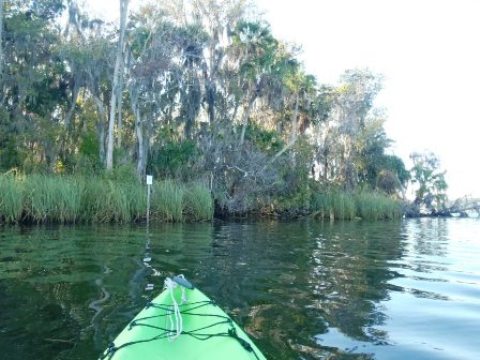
pixel 172 333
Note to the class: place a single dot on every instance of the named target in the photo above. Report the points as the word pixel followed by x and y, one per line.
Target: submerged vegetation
pixel 193 92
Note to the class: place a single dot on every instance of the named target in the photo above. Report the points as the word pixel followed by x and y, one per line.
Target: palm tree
pixel 254 48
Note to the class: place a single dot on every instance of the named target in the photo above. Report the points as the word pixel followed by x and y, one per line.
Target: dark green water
pixel 303 290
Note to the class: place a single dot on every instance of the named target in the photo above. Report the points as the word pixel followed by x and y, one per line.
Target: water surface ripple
pixel 302 290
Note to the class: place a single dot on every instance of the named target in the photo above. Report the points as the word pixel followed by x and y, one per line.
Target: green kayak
pixel 182 323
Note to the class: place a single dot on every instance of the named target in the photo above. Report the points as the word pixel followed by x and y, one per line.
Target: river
pixel 303 290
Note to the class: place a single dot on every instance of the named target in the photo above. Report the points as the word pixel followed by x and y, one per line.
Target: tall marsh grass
pixel 105 201
pixel 344 206
pixel 51 199
pixel 11 199
pixel 167 201
pixel 68 199
pixel 198 202
pixel 375 206
pixel 334 205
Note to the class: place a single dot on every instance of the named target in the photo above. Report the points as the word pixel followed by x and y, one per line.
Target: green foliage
pixel 106 201
pixel 346 206
pixel 65 199
pixel 376 206
pixel 376 168
pixel 85 166
pixel 52 199
pixel 266 140
pixel 11 155
pixel 167 201
pixel 430 181
pixel 198 204
pixel 87 161
pixel 11 198
pixel 47 9
pixel 254 44
pixel 343 206
pixel 388 182
pixel 387 173
pixel 137 199
pixel 173 158
pixel 265 121
pixel 297 173
pixel 89 146
pixel 396 166
pixel 123 174
pixel 361 86
pixel 334 205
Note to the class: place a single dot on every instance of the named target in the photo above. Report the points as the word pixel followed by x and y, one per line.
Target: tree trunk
pixel 119 111
pixel 211 101
pixel 192 101
pixel 100 127
pixel 349 172
pixel 71 111
pixel 141 157
pixel 245 116
pixel 235 110
pixel 141 160
pixel 326 168
pixel 209 91
pixel 1 40
pixel 117 73
pixel 293 134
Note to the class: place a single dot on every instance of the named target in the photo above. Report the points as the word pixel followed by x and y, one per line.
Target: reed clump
pixel 100 199
pixel 11 199
pixel 334 205
pixel 375 206
pixel 105 201
pixel 347 206
pixel 167 201
pixel 198 202
pixel 51 199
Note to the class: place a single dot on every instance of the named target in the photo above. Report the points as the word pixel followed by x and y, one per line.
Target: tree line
pixel 190 90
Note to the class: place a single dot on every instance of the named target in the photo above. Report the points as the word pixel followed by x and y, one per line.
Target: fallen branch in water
pixel 63 341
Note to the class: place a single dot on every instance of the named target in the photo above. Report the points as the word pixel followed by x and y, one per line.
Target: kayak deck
pixel 207 332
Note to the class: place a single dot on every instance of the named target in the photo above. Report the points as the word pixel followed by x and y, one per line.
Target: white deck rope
pixel 175 317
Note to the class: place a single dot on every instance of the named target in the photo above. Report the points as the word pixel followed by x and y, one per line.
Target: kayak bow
pixel 182 323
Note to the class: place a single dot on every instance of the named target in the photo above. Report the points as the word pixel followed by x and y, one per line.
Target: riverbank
pixel 62 199
pixel 67 199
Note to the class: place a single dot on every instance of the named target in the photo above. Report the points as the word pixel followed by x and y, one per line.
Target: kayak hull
pixel 207 331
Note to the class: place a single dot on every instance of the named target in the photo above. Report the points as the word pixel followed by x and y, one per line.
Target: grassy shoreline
pixel 365 205
pixel 41 199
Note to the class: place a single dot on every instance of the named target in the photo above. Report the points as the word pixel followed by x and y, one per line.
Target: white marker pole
pixel 149 184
